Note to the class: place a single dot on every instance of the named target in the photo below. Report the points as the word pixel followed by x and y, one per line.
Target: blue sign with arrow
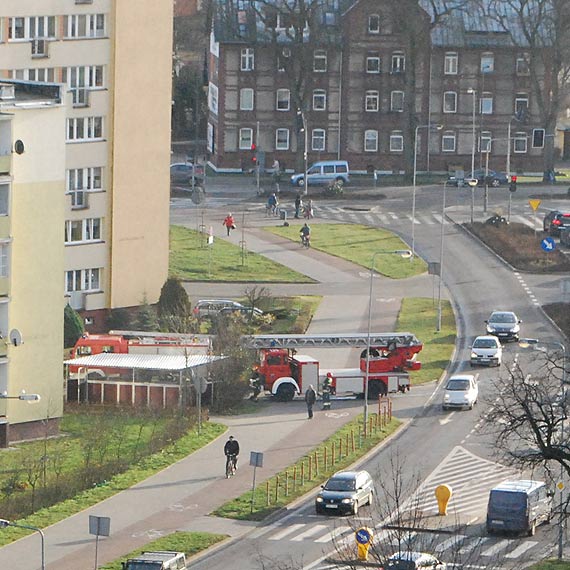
pixel 363 536
pixel 548 244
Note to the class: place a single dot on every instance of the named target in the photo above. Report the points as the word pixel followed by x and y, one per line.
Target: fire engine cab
pixel 284 372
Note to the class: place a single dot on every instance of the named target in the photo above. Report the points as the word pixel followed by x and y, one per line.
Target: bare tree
pixel 541 29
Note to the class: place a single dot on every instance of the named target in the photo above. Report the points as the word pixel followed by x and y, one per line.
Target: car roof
pixel 486 337
pixel 218 301
pixel 520 485
pixel 461 377
pixel 329 162
pixel 412 556
pixel 348 474
pixel 503 313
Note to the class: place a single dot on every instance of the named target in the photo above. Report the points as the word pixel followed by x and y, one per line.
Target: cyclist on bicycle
pixel 231 450
pixel 305 232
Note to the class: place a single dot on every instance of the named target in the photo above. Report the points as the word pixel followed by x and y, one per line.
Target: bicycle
pixel 306 240
pixel 231 465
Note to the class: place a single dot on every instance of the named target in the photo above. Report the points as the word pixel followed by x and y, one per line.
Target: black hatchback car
pixel 555 221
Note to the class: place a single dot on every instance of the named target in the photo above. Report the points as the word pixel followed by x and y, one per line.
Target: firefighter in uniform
pixel 327 388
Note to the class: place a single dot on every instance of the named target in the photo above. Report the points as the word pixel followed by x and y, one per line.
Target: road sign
pixel 99 526
pixel 256 458
pixel 548 244
pixel 534 204
pixel 363 535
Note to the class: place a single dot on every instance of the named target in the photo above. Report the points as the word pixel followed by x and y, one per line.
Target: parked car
pixel 243 311
pixel 208 308
pixel 345 492
pixel 156 560
pixel 181 172
pixel 555 221
pixel 518 506
pixel 461 391
pixel 486 350
pixel 410 560
pixel 505 325
pixel 496 179
pixel 323 173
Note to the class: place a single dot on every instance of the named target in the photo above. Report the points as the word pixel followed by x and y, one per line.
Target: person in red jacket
pixel 229 222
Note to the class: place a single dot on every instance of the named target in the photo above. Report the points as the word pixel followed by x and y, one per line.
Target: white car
pixel 486 350
pixel 461 391
pixel 407 560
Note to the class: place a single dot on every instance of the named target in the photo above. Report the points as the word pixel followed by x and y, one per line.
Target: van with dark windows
pixel 518 507
pixel 323 173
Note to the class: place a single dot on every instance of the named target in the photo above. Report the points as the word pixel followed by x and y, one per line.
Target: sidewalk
pixel 182 496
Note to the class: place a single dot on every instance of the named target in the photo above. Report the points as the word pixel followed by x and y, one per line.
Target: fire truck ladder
pixel 164 337
pixel 331 340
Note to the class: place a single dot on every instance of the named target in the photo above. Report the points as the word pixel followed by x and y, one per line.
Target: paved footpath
pixel 182 496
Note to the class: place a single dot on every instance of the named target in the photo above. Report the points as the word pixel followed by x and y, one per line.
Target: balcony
pixel 77 300
pixel 40 49
pixel 5 164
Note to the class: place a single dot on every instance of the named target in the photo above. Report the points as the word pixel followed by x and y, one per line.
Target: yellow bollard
pixel 363 538
pixel 443 494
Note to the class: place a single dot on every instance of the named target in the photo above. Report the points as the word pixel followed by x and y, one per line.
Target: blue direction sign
pixel 548 244
pixel 363 536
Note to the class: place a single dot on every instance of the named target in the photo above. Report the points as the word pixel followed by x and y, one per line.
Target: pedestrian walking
pixel 310 399
pixel 229 222
pixel 298 205
pixel 308 212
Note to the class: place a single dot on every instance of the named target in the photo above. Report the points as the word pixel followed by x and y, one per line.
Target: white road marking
pixel 521 549
pixel 452 543
pixel 447 419
pixel 501 545
pixel 310 532
pixel 471 546
pixel 288 530
pixel 330 536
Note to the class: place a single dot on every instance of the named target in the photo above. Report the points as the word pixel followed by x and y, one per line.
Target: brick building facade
pixel 468 78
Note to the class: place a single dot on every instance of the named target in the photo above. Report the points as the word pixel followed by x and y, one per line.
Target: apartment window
pixel 283 21
pixel 83 76
pixel 320 60
pixel 398 62
pixel 84 179
pixel 370 141
pixel 450 102
pixel 4 199
pixel 318 139
pixel 36 27
pixel 84 128
pixel 486 104
pixel 372 63
pixel 83 230
pixel 4 259
pixel 245 138
pixel 448 142
pixel 246 99
pixel 82 280
pixel 210 137
pixel 538 136
pixel 374 24
pixel 485 142
pixel 247 61
pixel 84 26
pixel 283 99
pixel 92 229
pixel 520 143
pixel 522 66
pixel 319 100
pixel 487 63
pixel 521 106
pixel 213 98
pixel 372 101
pixel 282 139
pixel 73 231
pixel 46 74
pixel 396 141
pixel 397 101
pixel 451 63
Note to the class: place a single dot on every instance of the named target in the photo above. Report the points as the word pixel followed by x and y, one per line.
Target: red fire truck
pixel 284 372
pixel 133 342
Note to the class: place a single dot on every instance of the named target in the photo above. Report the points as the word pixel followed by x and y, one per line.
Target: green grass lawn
pixel 188 542
pixel 294 313
pixel 357 244
pixel 419 316
pixel 551 565
pixel 192 260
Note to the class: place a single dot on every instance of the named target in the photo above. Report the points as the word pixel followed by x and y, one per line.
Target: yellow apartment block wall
pixel 140 147
pixel 37 276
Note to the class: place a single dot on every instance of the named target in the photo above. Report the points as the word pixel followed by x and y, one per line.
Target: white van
pixel 322 173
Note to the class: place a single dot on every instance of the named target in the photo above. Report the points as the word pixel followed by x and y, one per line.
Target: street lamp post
pixel 4 523
pixel 441 257
pixel 474 93
pixel 305 149
pixel 405 253
pixel 524 343
pixel 429 126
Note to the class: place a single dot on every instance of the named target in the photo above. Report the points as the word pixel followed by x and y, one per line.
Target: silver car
pixel 345 492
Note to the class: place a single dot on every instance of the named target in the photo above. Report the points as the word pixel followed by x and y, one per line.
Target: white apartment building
pixel 115 58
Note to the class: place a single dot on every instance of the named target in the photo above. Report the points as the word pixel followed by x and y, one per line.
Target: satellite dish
pixel 16 337
pixel 19 147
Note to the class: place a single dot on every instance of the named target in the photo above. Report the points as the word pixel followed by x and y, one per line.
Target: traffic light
pixel 513 184
pixel 254 150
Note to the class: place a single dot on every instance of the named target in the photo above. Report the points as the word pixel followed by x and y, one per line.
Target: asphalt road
pixel 436 446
